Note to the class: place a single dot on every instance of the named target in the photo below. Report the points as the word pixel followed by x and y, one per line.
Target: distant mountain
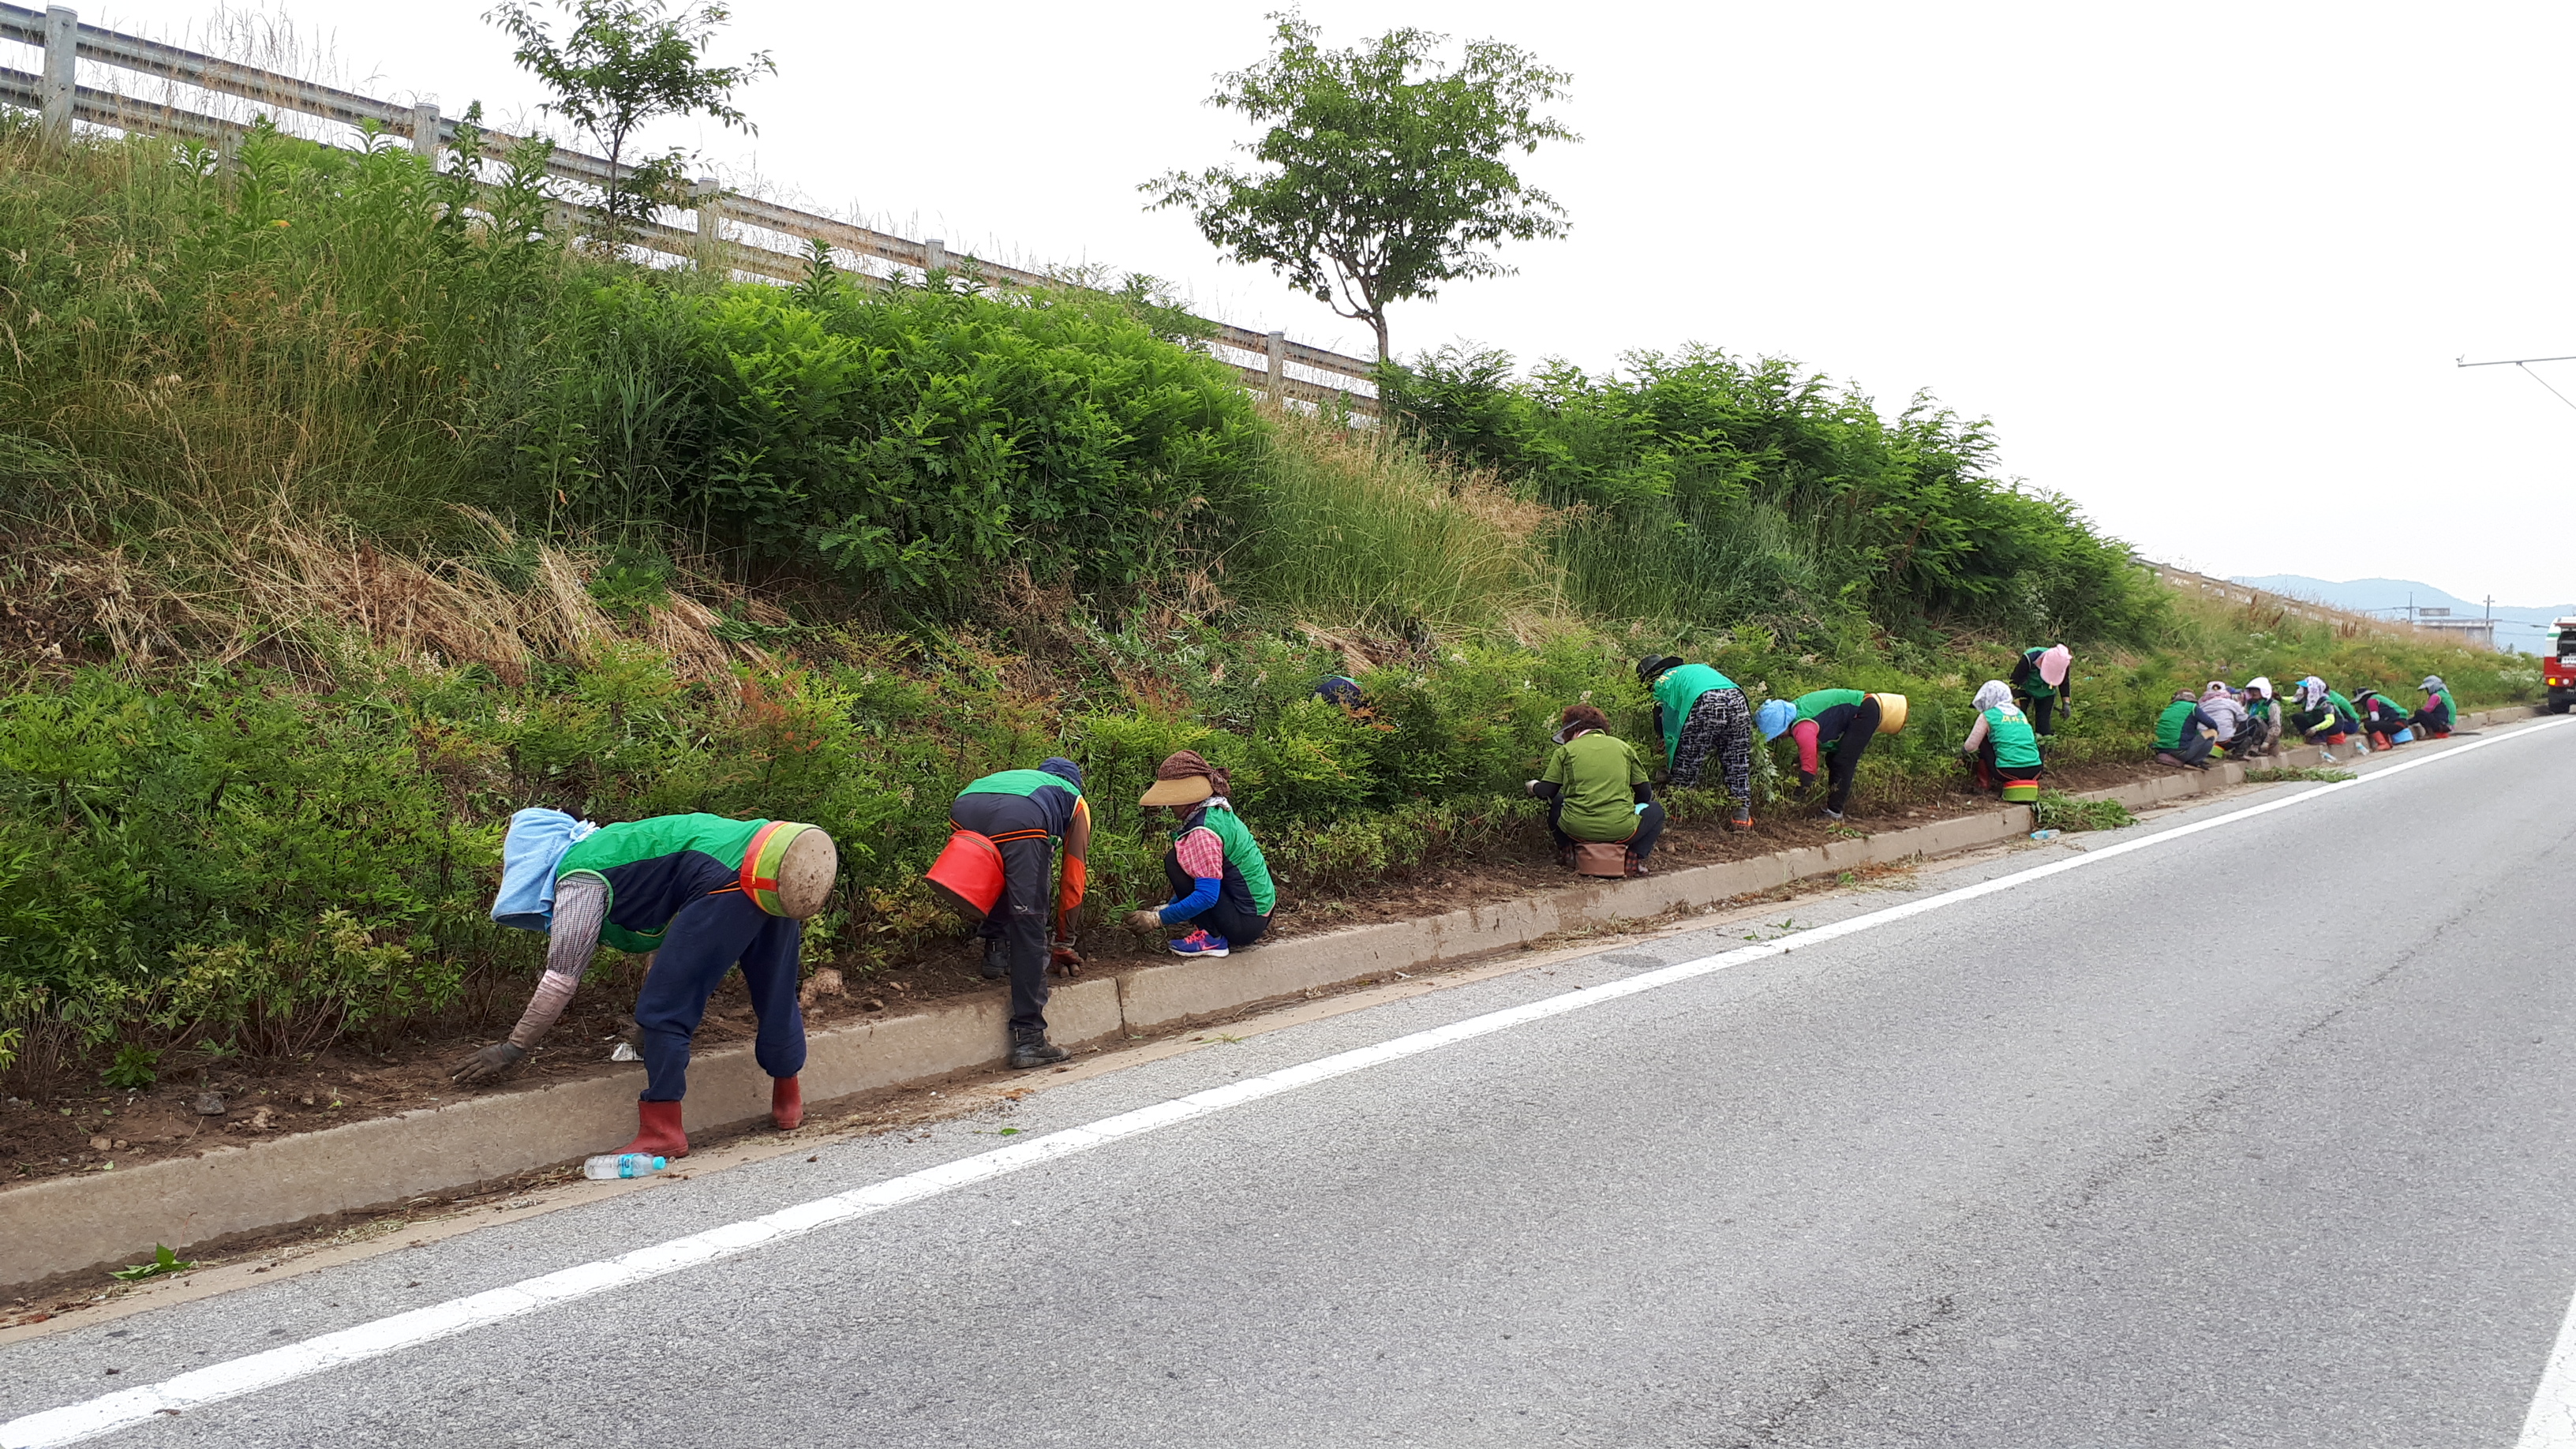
pixel 2520 627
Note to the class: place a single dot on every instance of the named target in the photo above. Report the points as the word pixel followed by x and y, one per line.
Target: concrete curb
pixel 102 1219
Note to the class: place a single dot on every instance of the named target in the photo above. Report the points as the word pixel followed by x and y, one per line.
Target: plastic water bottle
pixel 612 1165
pixel 2043 835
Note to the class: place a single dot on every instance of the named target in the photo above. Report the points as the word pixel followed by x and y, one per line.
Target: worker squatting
pixel 699 895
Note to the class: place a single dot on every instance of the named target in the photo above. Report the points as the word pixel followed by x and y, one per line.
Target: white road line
pixel 2551 1424
pixel 236 1377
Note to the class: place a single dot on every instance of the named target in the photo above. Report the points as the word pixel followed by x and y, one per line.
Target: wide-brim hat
pixel 1654 664
pixel 1891 713
pixel 789 868
pixel 1187 790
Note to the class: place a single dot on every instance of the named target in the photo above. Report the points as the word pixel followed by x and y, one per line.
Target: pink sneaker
pixel 1199 943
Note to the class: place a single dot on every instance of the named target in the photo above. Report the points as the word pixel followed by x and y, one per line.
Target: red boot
pixel 657 1131
pixel 786 1103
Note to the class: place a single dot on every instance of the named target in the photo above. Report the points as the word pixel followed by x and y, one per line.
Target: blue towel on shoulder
pixel 529 854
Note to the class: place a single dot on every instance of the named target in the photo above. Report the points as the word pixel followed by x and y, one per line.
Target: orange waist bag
pixel 968 874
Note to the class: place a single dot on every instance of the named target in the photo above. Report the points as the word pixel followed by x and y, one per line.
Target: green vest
pixel 1022 783
pixel 1240 853
pixel 612 846
pixel 2016 747
pixel 2171 723
pixel 1677 689
pixel 1812 705
pixel 2037 685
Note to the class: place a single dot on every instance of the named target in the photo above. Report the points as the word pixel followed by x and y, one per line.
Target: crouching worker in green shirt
pixel 2002 749
pixel 1218 877
pixel 1596 790
pixel 701 893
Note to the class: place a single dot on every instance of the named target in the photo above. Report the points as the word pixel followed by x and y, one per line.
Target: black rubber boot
pixel 1032 1049
pixel 997 959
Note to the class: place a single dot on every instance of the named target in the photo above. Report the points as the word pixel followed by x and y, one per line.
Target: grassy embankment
pixel 338 527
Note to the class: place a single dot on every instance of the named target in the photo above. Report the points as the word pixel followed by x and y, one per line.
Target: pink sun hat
pixel 2053 665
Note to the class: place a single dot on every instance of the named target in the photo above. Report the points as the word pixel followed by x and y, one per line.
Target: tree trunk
pixel 1378 320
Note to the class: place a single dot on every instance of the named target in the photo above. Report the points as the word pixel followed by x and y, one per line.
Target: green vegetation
pixel 623 63
pixel 162 1261
pixel 1714 490
pixel 2057 810
pixel 2283 775
pixel 1384 169
pixel 340 524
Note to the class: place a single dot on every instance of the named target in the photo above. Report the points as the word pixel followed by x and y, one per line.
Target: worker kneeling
pixel 2002 749
pixel 1598 795
pixel 1219 880
pixel 699 892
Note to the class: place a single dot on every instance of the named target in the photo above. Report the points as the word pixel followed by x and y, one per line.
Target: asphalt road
pixel 2260 1137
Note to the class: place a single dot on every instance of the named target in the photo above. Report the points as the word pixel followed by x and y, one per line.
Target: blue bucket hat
pixel 1774 716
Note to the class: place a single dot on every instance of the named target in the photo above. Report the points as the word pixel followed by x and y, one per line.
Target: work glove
pixel 488 1065
pixel 1064 958
pixel 1144 923
pixel 1806 777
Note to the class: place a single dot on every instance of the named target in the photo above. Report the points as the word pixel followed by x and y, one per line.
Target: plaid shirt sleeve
pixel 1201 854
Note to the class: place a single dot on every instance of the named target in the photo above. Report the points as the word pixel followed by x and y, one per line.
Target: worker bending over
pixel 1832 727
pixel 2042 679
pixel 994 872
pixel 1700 713
pixel 699 892
pixel 1597 791
pixel 2002 749
pixel 1218 877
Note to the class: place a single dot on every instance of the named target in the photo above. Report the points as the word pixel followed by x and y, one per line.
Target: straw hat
pixel 1891 713
pixel 1188 790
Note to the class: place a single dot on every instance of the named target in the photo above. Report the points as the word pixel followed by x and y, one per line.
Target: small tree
pixel 1383 171
pixel 624 63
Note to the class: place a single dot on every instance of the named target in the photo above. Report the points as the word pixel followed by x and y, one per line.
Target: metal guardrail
pixel 1284 369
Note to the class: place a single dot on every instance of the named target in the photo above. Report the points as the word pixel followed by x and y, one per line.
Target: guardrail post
pixel 62 49
pixel 934 255
pixel 1279 369
pixel 707 194
pixel 424 128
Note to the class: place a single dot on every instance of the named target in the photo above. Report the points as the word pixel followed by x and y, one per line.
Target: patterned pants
pixel 1720 722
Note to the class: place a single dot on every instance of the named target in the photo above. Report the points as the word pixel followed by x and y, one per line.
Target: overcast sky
pixel 2206 267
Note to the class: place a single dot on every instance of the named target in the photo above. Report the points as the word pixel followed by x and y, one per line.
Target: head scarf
pixel 535 845
pixel 2217 690
pixel 1188 765
pixel 1993 694
pixel 2260 684
pixel 1063 769
pixel 2054 663
pixel 1774 716
pixel 2432 684
pixel 2312 692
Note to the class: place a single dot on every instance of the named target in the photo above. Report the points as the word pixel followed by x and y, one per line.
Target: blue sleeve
pixel 1202 895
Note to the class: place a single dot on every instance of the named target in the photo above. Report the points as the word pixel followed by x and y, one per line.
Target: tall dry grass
pixel 1365 530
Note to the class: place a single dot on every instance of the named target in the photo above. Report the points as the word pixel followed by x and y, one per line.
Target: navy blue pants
pixel 705 939
pixel 1020 916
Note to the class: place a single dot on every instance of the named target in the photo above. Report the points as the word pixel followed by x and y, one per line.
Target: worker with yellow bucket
pixel 994 872
pixel 700 893
pixel 1832 727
